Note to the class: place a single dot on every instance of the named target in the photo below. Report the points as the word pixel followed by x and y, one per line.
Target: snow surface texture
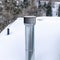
pixel 47 40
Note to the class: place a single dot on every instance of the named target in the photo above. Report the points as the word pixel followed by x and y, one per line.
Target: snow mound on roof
pixel 12 46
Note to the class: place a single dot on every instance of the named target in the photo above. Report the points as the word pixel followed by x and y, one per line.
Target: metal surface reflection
pixel 29 36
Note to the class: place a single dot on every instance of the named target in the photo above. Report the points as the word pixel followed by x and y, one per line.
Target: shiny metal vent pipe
pixel 29 22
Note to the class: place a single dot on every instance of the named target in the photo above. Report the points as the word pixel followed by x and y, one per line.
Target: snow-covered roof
pixel 47 40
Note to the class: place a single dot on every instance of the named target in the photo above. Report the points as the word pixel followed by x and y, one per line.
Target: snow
pixel 12 47
pixel 47 40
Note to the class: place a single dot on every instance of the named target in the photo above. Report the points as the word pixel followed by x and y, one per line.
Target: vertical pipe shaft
pixel 29 37
pixel 29 33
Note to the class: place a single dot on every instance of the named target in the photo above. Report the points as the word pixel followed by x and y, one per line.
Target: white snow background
pixel 47 40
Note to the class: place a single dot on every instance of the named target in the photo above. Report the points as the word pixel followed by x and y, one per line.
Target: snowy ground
pixel 47 40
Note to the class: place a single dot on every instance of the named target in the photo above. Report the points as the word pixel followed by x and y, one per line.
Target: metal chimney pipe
pixel 29 22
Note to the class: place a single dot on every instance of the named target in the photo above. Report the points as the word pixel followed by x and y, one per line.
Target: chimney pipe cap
pixel 30 19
